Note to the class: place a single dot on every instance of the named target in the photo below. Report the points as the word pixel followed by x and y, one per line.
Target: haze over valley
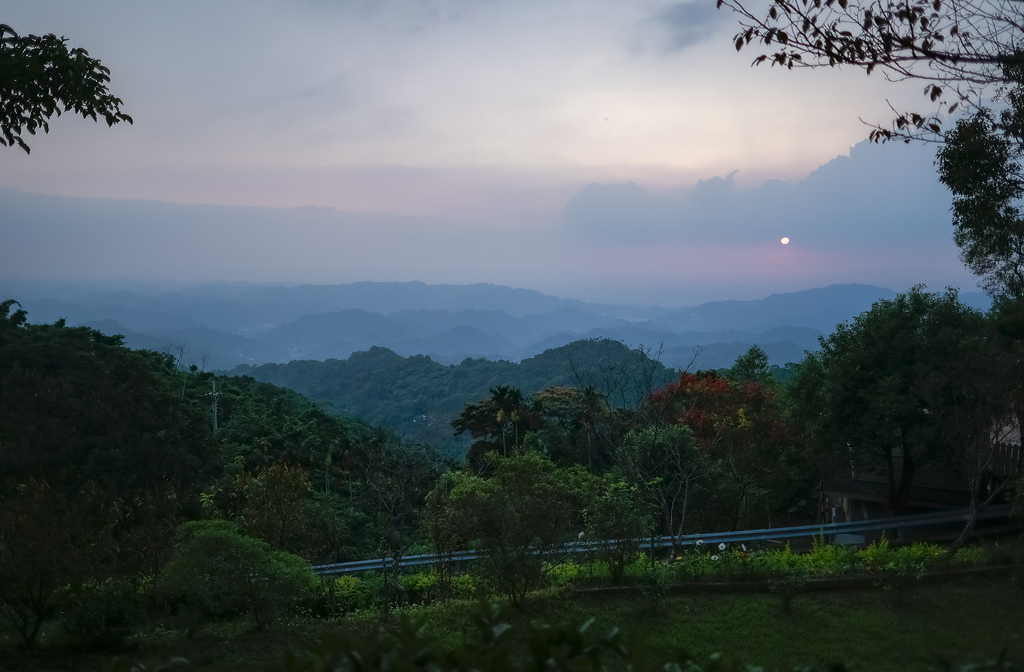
pixel 221 326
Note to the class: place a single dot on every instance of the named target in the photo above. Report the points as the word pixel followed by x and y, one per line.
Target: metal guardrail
pixel 710 539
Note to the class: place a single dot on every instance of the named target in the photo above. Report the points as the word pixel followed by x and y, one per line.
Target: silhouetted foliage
pixel 957 47
pixel 888 389
pixel 219 570
pixel 41 77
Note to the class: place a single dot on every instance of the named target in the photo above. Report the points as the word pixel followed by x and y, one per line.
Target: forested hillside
pixel 118 498
pixel 419 398
pixel 105 451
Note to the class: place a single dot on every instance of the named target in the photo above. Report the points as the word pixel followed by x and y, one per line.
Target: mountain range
pixel 221 326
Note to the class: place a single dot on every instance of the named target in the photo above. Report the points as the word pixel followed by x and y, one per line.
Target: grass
pixel 964 621
pixel 968 620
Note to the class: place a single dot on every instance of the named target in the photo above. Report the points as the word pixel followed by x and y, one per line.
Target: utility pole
pixel 214 396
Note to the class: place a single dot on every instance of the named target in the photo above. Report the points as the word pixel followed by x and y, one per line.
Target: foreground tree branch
pixel 41 77
pixel 960 49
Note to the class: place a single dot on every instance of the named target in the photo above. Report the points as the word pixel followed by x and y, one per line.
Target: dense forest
pixel 419 398
pixel 114 473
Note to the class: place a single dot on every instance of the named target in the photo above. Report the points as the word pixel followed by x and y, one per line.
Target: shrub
pixel 777 562
pixel 877 555
pixel 219 570
pixel 826 558
pixel 921 553
pixel 563 573
pixel 348 589
pixel 968 556
pixel 734 564
pixel 104 613
pixel 420 586
pixel 616 513
pixel 999 553
pixel 340 594
pixel 371 589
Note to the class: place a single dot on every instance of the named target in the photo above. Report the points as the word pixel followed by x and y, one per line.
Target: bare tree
pixel 664 465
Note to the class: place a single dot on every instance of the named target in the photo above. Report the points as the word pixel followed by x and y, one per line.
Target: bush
pixel 877 555
pixel 420 586
pixel 349 589
pixel 339 594
pixel 922 554
pixel 563 573
pixel 778 562
pixel 968 556
pixel 104 613
pixel 467 586
pixel 826 558
pixel 218 570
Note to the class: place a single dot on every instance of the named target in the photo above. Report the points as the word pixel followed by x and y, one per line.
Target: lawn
pixel 963 621
pixel 966 620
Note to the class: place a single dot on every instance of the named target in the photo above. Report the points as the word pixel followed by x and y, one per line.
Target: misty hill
pixel 419 397
pixel 393 297
pixel 227 324
pixel 205 348
pixel 821 308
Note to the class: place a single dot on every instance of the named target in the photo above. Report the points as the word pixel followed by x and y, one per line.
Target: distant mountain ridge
pixel 820 308
pixel 225 325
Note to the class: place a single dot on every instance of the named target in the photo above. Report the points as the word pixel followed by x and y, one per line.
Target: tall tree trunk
pixel 900 499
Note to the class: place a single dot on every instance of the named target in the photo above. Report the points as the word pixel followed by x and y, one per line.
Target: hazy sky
pixel 604 150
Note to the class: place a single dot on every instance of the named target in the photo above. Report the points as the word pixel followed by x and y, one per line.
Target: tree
pixel 274 500
pixel 520 515
pixel 499 423
pixel 449 518
pixel 581 428
pixel 41 77
pixel 741 431
pixel 50 544
pixel 219 570
pixel 887 387
pixel 980 164
pixel 394 480
pixel 616 522
pixel 664 465
pixel 977 401
pixel 961 46
pixel 752 367
pixel 79 409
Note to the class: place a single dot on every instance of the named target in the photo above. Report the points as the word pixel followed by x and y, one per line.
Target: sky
pixel 610 151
